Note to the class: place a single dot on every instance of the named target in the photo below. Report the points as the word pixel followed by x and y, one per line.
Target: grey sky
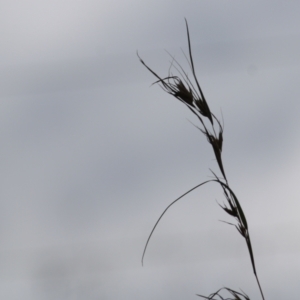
pixel 91 154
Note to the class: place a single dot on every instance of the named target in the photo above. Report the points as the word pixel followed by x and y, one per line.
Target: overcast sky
pixel 91 153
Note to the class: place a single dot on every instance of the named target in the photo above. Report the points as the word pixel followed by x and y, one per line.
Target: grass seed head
pixel 182 93
pixel 232 211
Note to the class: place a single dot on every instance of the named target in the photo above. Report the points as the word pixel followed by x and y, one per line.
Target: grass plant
pixel 188 91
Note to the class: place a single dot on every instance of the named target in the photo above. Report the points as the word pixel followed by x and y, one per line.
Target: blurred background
pixel 91 154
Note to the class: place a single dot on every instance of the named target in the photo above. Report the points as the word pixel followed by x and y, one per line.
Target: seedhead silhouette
pixel 189 92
